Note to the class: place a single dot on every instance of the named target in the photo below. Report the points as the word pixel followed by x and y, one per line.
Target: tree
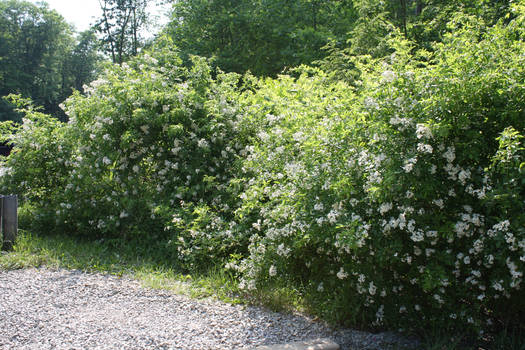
pixel 34 45
pixel 120 27
pixel 421 21
pixel 84 59
pixel 263 36
pixel 40 58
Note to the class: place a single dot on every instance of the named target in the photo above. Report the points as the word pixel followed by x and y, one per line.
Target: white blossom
pixel 372 288
pixel 424 148
pixel 439 203
pixel 145 129
pixel 423 131
pixel 409 165
pixel 449 155
pixel 380 314
pixel 385 207
pixel 202 143
pixel 342 274
pixel 388 76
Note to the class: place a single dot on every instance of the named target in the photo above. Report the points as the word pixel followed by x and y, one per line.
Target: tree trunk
pixel 404 17
pixel 419 7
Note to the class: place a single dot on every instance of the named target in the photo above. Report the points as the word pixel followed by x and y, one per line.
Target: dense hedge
pixel 400 201
pixel 405 200
pixel 149 150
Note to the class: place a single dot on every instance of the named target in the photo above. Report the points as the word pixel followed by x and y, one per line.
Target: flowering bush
pixel 39 166
pixel 403 203
pixel 149 149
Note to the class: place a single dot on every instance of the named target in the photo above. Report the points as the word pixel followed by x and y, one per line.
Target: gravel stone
pixel 63 309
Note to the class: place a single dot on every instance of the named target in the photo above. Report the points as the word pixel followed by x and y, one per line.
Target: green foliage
pixel 151 144
pixel 120 26
pixel 423 23
pixel 39 58
pixel 84 60
pixel 401 203
pixel 269 36
pixel 263 36
pixel 42 146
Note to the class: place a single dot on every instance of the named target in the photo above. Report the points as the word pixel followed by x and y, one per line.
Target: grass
pixel 149 264
pixel 116 258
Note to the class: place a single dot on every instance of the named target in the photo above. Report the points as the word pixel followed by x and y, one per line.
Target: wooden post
pixel 2 220
pixel 9 221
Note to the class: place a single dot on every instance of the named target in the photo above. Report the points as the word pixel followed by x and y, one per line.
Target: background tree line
pixel 267 36
pixel 41 57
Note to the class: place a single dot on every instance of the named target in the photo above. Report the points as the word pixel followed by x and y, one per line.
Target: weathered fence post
pixel 9 207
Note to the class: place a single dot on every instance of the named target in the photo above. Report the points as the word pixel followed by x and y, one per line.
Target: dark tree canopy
pixel 263 36
pixel 39 56
pixel 267 36
pixel 84 59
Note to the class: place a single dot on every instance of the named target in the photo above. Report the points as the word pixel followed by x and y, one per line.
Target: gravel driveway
pixel 47 309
